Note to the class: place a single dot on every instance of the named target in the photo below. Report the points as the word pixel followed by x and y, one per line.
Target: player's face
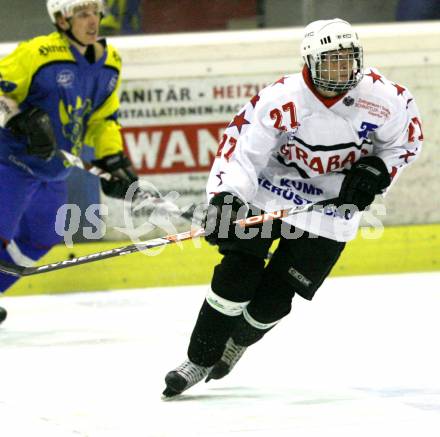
pixel 337 65
pixel 85 23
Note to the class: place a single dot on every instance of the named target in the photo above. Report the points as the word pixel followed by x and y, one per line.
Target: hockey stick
pixel 15 270
pixel 281 213
pixel 76 161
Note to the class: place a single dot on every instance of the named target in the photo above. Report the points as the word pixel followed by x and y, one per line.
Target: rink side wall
pixel 217 68
pixel 400 249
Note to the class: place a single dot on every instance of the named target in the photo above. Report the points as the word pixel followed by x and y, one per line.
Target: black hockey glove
pixel 123 174
pixel 35 125
pixel 367 177
pixel 219 220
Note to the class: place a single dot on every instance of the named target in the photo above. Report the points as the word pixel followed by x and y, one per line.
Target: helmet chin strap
pixel 89 53
pixel 70 34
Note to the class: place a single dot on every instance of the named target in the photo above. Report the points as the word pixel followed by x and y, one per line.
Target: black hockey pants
pixel 299 265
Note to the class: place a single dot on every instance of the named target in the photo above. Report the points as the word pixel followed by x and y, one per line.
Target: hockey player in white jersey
pixel 336 130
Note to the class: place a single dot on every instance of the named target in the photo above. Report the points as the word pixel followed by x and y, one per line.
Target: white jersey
pixel 288 146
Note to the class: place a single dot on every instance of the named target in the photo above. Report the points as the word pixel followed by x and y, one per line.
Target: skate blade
pixel 169 394
pixel 170 398
pixel 219 371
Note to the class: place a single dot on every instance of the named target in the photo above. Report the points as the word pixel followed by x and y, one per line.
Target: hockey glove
pixel 123 175
pixel 219 220
pixel 367 177
pixel 35 125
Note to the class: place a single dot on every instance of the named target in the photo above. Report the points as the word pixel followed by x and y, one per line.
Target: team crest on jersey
pixel 72 118
pixel 348 101
pixel 65 78
pixel 366 128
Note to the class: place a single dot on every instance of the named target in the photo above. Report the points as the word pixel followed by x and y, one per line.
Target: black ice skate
pixel 183 377
pixel 232 353
pixel 3 314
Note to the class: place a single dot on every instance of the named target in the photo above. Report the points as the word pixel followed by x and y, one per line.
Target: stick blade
pixel 12 269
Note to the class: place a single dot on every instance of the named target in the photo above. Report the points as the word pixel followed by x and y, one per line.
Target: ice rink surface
pixel 362 359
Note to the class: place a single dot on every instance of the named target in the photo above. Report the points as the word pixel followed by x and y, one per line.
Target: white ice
pixel 361 359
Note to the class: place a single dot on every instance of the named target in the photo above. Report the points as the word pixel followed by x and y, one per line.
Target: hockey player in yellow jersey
pixel 56 91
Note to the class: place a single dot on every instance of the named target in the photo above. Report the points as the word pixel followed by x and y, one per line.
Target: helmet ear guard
pixel 335 38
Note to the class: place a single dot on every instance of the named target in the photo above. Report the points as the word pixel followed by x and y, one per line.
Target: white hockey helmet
pixel 66 7
pixel 334 35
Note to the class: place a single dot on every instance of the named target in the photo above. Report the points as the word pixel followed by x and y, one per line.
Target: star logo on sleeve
pixel 280 81
pixel 376 77
pixel 220 177
pixel 255 100
pixel 239 121
pixel 399 88
pixel 407 155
